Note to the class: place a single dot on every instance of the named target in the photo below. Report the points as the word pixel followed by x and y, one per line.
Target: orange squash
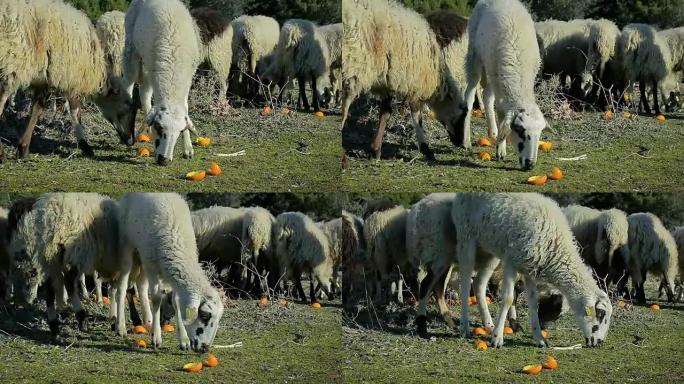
pixel 214 169
pixel 286 111
pixel 140 343
pixel 484 142
pixel 282 302
pixel 488 300
pixel 655 307
pixel 480 345
pixel 266 111
pixel 196 175
pixel 621 304
pixel 626 115
pixel 661 118
pixel 478 113
pixel 316 305
pixel 143 152
pixel 168 328
pixel 211 361
pixel 537 180
pixel 551 363
pixel 533 369
pixel 143 138
pixel 508 331
pixel 263 302
pixel 556 174
pixel 139 329
pixel 105 300
pixel 203 141
pixel 479 331
pixel 192 367
pixel 472 300
pixel 485 156
pixel 545 146
pixel 608 115
pixel 319 114
pixel 545 333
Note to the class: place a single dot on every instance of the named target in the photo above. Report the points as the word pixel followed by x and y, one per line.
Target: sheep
pixel 257 246
pixel 504 56
pixel 353 255
pixel 333 232
pixel 300 246
pixel 66 235
pixel 564 49
pixel 254 39
pixel 603 45
pixel 162 53
pixel 678 234
pixel 6 288
pixel 603 238
pixel 385 236
pixel 393 51
pixel 530 235
pixel 652 249
pixel 159 228
pixel 647 58
pixel 216 32
pixel 47 44
pixel 332 35
pixel 111 31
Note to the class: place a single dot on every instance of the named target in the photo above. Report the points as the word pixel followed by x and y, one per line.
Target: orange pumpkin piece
pixel 472 300
pixel 263 302
pixel 203 141
pixel 316 305
pixel 211 361
pixel 196 175
pixel 533 369
pixel 551 363
pixel 214 170
pixel 479 331
pixel 319 114
pixel 143 138
pixel 266 111
pixel 168 328
pixel 139 329
pixel 105 300
pixel 286 111
pixel 282 302
pixel 608 115
pixel 143 152
pixel 556 174
pixel 545 333
pixel 484 142
pixel 481 345
pixel 192 367
pixel 485 156
pixel 655 307
pixel 478 113
pixel 508 331
pixel 661 118
pixel 488 300
pixel 140 343
pixel 626 115
pixel 537 180
pixel 545 146
pixel 621 304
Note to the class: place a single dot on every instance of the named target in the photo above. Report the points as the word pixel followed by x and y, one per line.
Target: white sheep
pixel 603 238
pixel 257 245
pixel 333 231
pixel 219 234
pixel 503 54
pixel 354 259
pixel 678 234
pixel 159 228
pixel 530 235
pixel 47 44
pixel 65 236
pixel 332 35
pixel 603 45
pixel 393 51
pixel 652 249
pixel 162 53
pixel 254 39
pixel 5 263
pixel 302 247
pixel 216 32
pixel 111 31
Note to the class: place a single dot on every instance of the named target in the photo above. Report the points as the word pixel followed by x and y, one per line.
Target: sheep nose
pixel 529 164
pixel 161 160
pixel 205 348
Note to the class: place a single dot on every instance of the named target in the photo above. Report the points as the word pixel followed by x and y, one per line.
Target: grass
pixel 280 344
pixel 637 154
pixel 296 152
pixel 642 346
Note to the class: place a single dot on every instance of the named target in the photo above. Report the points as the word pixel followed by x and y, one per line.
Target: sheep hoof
pixel 22 152
pixel 421 325
pixel 86 148
pixel 427 152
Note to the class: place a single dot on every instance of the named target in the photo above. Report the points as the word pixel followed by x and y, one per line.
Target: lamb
pixel 530 235
pixel 64 236
pixel 652 249
pixel 301 246
pixel 393 51
pixel 385 235
pixel 219 234
pixel 216 32
pixel 603 238
pixel 254 39
pixel 47 44
pixel 111 31
pixel 503 54
pixel 159 227
pixel 302 53
pixel 162 53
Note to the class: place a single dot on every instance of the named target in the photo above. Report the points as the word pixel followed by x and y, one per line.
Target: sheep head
pixel 118 108
pixel 167 123
pixel 201 317
pixel 593 315
pixel 525 126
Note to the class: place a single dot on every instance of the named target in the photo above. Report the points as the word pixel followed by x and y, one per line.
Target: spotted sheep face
pixel 167 125
pixel 202 321
pixel 594 319
pixel 526 126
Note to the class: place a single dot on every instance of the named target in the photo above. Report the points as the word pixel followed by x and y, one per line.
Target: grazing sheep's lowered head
pixel 167 123
pixel 118 108
pixel 593 316
pixel 526 125
pixel 201 317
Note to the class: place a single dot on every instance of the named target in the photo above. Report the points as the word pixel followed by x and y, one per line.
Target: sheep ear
pixel 151 118
pixel 589 311
pixel 191 306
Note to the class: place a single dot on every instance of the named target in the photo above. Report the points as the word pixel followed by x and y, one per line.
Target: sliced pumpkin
pixel 316 305
pixel 508 331
pixel 484 142
pixel 140 343
pixel 143 152
pixel 472 300
pixel 479 331
pixel 319 114
pixel 532 369
pixel 105 300
pixel 545 146
pixel 203 141
pixel 478 113
pixel 139 329
pixel 168 328
pixel 286 111
pixel 661 118
pixel 263 302
pixel 621 304
pixel 143 138
pixel 214 169
pixel 480 345
pixel 551 363
pixel 266 111
pixel 192 367
pixel 545 333
pixel 556 174
pixel 282 302
pixel 485 156
pixel 537 180
pixel 608 115
pixel 196 175
pixel 211 361
pixel 655 307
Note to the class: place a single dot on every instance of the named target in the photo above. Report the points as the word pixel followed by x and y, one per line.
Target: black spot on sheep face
pixel 202 329
pixel 526 127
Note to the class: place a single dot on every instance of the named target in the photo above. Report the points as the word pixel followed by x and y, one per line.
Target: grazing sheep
pixel 23 291
pixel 5 263
pixel 603 239
pixel 564 47
pixel 503 54
pixel 111 31
pixel 47 44
pixel 254 39
pixel 353 255
pixel 385 235
pixel 300 247
pixel 603 45
pixel 64 236
pixel 163 50
pixel 333 231
pixel 530 235
pixel 651 249
pixel 678 234
pixel 393 51
pixel 257 246
pixel 216 32
pixel 159 227
pixel 332 34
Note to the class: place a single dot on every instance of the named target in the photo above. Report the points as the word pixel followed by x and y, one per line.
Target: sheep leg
pixel 302 94
pixel 669 285
pixel 112 306
pixel 81 137
pixel 480 287
pixel 490 113
pixel 474 76
pixel 417 121
pixel 36 109
pixel 84 289
pixel 157 296
pixel 656 105
pixel 507 284
pixel 347 100
pixel 644 98
pixel 513 311
pixel 466 261
pixel 145 91
pixel 426 287
pixel 314 94
pixel 439 292
pixel 385 112
pixel 640 294
pixel 121 302
pixel 181 332
pixel 130 298
pixel 53 321
pixel 98 288
pixel 144 295
pixel 298 284
pixel 533 305
pixel 400 290
pixel 72 283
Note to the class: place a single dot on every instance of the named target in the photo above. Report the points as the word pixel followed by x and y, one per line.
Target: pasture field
pixel 294 152
pixel 642 346
pixel 622 154
pixel 296 343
